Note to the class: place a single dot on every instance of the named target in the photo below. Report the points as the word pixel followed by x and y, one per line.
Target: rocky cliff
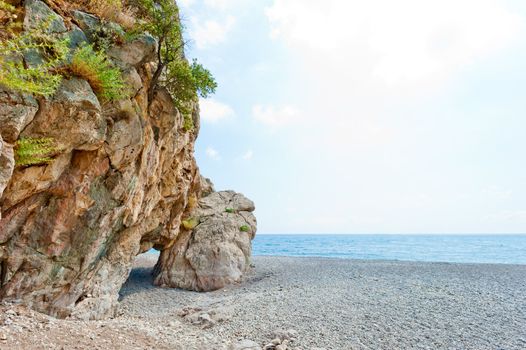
pixel 122 180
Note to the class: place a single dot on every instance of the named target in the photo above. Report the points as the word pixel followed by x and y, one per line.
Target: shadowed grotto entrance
pixel 141 275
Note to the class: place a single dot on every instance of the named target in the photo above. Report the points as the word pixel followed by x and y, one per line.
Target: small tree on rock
pixel 183 80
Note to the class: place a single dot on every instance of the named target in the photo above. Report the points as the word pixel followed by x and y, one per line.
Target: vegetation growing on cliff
pixel 111 10
pixel 103 78
pixel 9 19
pixel 34 151
pixel 190 223
pixel 45 77
pixel 41 77
pixel 183 80
pixel 42 73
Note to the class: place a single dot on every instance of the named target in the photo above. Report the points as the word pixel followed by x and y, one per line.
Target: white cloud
pixel 496 192
pixel 213 111
pixel 220 4
pixel 185 3
pixel 213 4
pixel 212 153
pixel 363 69
pixel 392 98
pixel 248 155
pixel 508 216
pixel 210 32
pixel 275 117
pixel 394 42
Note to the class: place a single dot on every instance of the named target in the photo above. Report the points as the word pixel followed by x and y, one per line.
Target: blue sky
pixel 345 116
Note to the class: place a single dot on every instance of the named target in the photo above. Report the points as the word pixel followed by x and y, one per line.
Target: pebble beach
pixel 304 304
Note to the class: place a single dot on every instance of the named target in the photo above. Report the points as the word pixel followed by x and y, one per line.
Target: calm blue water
pixel 507 249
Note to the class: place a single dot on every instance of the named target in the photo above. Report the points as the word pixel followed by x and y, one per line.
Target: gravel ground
pixel 329 303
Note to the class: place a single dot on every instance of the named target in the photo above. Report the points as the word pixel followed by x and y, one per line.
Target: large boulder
pixel 214 249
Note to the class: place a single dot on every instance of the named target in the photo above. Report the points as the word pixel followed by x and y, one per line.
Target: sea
pixel 500 249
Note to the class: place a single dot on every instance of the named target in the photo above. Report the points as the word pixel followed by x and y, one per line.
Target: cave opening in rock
pixel 141 274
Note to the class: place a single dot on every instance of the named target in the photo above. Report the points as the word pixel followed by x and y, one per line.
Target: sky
pixel 379 116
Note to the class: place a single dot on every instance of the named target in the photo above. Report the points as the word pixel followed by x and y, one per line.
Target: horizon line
pixel 412 234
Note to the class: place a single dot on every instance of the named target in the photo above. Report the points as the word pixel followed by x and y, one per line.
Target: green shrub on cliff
pixel 42 76
pixel 10 19
pixel 4 6
pixel 34 61
pixel 34 151
pixel 95 67
pixel 190 223
pixel 183 80
pixel 111 10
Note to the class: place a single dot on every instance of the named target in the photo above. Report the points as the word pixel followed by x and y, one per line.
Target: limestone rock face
pixel 16 112
pixel 214 249
pixel 119 184
pixel 7 165
pixel 74 108
pixel 122 178
pixel 37 12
